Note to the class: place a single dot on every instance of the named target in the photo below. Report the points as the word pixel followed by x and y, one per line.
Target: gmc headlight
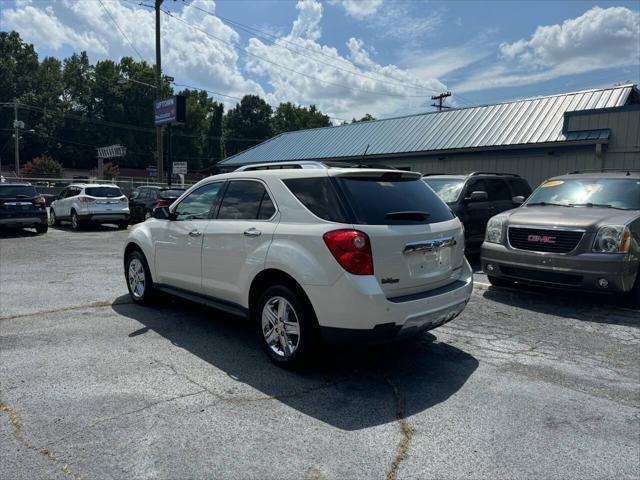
pixel 494 230
pixel 612 239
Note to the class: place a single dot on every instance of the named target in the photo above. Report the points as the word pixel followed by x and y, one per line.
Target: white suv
pixel 90 203
pixel 309 252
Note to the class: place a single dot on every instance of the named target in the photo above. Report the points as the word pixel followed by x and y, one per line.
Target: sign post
pixel 113 151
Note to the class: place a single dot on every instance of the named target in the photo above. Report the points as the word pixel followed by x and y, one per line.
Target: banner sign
pixel 169 110
pixel 113 151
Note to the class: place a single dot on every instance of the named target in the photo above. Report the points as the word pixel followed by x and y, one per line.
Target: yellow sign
pixel 553 183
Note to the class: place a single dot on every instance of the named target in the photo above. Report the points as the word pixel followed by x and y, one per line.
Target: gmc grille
pixel 543 240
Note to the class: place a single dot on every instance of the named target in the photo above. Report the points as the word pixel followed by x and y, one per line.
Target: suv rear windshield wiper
pixel 544 204
pixel 603 205
pixel 417 216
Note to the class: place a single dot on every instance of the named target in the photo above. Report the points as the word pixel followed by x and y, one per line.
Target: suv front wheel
pixel 287 326
pixel 139 280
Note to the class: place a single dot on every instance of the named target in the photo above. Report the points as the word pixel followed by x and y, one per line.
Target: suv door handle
pixel 252 232
pixel 195 233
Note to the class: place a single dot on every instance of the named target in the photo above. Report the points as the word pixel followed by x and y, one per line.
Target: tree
pixel 43 166
pixel 289 117
pixel 367 118
pixel 247 124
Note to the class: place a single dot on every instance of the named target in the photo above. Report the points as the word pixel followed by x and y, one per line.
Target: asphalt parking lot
pixel 523 385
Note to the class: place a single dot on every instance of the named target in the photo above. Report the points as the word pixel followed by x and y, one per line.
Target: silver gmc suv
pixel 580 230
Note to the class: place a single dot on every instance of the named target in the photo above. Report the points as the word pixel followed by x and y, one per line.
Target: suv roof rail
pixel 494 173
pixel 310 164
pixel 280 166
pixel 438 173
pixel 605 170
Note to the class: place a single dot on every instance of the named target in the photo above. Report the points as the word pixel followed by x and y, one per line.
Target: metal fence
pixel 53 186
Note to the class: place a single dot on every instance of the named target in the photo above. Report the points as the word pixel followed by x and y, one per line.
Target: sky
pixel 351 57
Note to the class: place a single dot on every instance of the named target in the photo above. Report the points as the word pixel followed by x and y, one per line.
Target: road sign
pixel 152 171
pixel 180 168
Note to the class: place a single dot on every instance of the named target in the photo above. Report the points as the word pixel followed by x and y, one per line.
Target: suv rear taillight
pixel 39 200
pixel 352 250
pixel 84 198
pixel 124 199
pixel 162 203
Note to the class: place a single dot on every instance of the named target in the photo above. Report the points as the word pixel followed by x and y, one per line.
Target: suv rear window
pixel 12 191
pixel 103 191
pixel 382 200
pixel 319 196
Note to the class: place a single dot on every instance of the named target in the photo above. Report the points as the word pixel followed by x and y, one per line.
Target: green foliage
pixel 43 166
pixel 74 106
pixel 289 117
pixel 367 118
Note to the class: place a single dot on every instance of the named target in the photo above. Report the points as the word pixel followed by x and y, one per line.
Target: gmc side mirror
pixel 519 200
pixel 478 196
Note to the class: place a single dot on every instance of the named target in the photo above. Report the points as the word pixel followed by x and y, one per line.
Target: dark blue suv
pixel 21 206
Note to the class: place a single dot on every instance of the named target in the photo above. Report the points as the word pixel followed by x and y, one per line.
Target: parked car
pixel 83 204
pixel 144 200
pixel 309 252
pixel 22 207
pixel 478 196
pixel 580 230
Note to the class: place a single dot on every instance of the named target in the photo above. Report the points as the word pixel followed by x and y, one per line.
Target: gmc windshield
pixel 615 193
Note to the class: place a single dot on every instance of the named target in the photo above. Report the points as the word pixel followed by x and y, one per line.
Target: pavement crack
pixel 16 423
pixel 65 309
pixel 405 429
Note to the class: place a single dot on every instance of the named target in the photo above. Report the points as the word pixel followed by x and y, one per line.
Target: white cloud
pixel 188 54
pixel 373 88
pixel 600 38
pixel 359 8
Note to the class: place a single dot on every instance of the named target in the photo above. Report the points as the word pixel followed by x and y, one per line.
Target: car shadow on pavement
pixel 593 307
pixel 349 388
pixel 17 233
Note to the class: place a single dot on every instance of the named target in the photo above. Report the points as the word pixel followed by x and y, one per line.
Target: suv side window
pixel 199 203
pixel 73 191
pixel 319 196
pixel 497 189
pixel 246 200
pixel 478 185
pixel 519 187
pixel 136 193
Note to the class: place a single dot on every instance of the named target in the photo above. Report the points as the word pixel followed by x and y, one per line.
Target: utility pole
pixel 440 97
pixel 159 131
pixel 16 136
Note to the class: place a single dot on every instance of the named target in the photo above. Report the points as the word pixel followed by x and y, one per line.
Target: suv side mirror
pixel 519 200
pixel 163 213
pixel 478 196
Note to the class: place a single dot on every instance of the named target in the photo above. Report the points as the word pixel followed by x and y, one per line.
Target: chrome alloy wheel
pixel 75 223
pixel 280 327
pixel 136 278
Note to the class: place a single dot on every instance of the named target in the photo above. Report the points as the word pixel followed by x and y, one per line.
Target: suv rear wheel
pixel 287 326
pixel 75 221
pixel 138 278
pixel 42 228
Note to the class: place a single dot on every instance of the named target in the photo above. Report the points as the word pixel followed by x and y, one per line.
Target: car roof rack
pixel 309 164
pixel 472 174
pixel 606 170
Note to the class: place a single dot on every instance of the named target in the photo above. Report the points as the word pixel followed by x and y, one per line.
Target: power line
pixel 121 31
pixel 247 52
pixel 263 35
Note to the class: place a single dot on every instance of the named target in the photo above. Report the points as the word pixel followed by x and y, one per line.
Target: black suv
pixel 22 206
pixel 478 196
pixel 144 200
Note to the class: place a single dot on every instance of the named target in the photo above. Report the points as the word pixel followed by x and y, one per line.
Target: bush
pixel 43 166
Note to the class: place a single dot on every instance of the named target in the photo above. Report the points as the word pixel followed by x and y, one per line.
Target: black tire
pixel 54 220
pixel 500 282
pixel 147 296
pixel 123 225
pixel 76 224
pixel 42 228
pixel 308 338
pixel 634 294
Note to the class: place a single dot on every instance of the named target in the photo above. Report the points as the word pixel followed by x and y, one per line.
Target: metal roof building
pixel 537 137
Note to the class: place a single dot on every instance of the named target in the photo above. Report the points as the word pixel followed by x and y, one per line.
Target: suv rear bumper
pixel 24 221
pixel 355 310
pixel 581 271
pixel 104 217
